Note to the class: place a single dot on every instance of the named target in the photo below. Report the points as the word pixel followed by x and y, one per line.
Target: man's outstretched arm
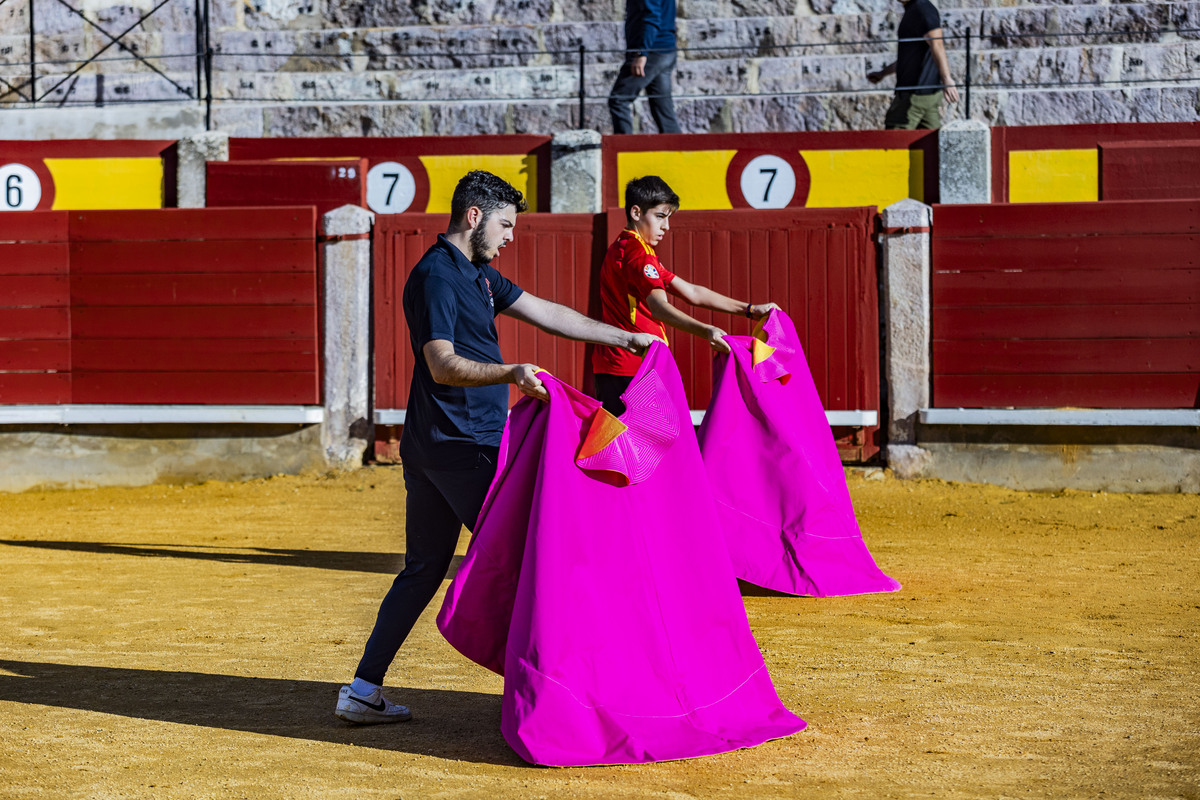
pixel 450 369
pixel 567 322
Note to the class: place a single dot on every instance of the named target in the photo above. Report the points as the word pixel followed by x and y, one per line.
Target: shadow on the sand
pixel 387 563
pixel 446 723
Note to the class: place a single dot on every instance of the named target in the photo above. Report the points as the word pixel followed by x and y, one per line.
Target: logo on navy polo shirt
pixel 651 272
pixel 491 303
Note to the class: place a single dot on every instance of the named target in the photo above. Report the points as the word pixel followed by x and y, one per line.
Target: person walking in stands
pixel 634 286
pixel 922 70
pixel 649 64
pixel 458 404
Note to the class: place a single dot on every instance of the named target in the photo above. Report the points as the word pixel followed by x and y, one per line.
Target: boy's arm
pixel 704 297
pixel 662 310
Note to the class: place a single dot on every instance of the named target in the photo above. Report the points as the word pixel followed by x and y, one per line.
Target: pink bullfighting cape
pixel 776 474
pixel 598 583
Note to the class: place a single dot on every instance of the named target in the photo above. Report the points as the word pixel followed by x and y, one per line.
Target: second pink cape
pixel 776 474
pixel 599 585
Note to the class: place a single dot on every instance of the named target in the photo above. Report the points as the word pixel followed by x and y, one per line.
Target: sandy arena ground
pixel 188 642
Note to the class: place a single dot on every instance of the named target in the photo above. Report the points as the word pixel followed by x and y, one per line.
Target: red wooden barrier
pixel 412 153
pixel 1143 170
pixel 1086 137
pixel 551 256
pixel 819 264
pixel 1072 304
pixel 327 184
pixel 210 306
pixel 35 299
pixel 784 145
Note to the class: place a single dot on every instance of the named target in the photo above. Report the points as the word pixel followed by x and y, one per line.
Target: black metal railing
pixel 570 68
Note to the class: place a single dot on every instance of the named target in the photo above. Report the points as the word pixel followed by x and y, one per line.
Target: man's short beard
pixel 479 244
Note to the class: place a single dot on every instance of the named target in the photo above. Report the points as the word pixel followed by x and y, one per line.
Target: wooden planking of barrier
pixel 35 302
pixel 176 306
pixel 818 264
pixel 326 184
pixel 1091 305
pixel 551 256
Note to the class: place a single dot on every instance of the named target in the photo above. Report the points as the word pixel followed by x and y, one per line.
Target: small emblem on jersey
pixel 489 290
pixel 651 272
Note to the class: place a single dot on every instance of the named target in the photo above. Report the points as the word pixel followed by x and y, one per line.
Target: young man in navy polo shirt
pixel 457 407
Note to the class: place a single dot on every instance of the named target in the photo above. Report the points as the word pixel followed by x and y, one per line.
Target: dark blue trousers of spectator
pixel 439 502
pixel 657 83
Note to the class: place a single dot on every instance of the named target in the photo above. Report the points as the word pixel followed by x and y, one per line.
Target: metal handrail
pixel 206 54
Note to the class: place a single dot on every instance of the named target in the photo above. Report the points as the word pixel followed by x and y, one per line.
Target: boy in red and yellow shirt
pixel 634 286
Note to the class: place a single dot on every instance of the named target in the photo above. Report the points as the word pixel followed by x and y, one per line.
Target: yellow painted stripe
pixel 697 176
pixel 91 183
pixel 842 178
pixel 446 171
pixel 1053 176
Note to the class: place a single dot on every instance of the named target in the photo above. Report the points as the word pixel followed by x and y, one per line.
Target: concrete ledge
pixel 1141 417
pixel 1137 468
pixel 848 419
pixel 76 455
pixel 136 414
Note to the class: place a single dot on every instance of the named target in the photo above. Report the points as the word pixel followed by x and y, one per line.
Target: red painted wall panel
pixel 193 224
pixel 1074 304
pixel 201 257
pixel 1080 137
pixel 163 306
pixel 819 264
pixel 35 323
pixel 324 184
pixel 1145 170
pixel 21 388
pixel 35 298
pixel 34 258
pixel 209 387
pixel 26 355
pixel 406 150
pixel 544 258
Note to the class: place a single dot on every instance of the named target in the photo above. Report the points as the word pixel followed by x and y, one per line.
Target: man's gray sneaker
pixel 369 710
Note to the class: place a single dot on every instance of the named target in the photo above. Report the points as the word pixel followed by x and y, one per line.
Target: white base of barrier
pixel 1140 417
pixel 849 419
pixel 158 414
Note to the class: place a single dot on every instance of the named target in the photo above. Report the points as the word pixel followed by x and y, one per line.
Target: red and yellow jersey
pixel 629 273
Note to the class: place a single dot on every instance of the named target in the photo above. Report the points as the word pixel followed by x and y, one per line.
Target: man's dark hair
pixel 486 192
pixel 648 192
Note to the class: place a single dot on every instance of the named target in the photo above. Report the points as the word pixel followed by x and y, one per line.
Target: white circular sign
pixel 768 182
pixel 390 188
pixel 20 189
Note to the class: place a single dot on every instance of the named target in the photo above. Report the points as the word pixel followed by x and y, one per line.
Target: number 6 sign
pixel 20 189
pixel 758 179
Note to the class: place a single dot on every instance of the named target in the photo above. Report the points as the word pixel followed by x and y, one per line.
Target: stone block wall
pixel 410 67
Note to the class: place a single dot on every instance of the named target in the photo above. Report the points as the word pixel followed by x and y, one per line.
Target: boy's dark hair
pixel 486 192
pixel 648 192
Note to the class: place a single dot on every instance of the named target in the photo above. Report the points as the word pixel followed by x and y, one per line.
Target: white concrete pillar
pixel 192 155
pixel 575 173
pixel 906 273
pixel 346 261
pixel 965 162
